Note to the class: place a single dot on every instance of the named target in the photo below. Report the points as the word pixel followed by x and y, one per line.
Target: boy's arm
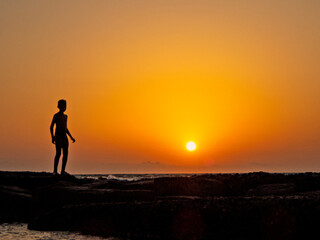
pixel 73 140
pixel 51 129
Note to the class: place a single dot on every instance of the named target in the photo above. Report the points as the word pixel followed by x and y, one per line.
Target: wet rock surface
pixel 219 206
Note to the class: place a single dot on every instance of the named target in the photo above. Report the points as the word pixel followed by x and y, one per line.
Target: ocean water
pixel 19 231
pixel 136 177
pixel 130 177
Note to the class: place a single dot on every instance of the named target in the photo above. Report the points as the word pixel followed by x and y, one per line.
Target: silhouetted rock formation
pixel 220 206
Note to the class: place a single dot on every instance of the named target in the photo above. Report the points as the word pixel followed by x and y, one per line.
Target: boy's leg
pixel 64 159
pixel 65 148
pixel 56 158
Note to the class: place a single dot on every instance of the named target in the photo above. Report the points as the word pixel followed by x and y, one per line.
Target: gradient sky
pixel 142 78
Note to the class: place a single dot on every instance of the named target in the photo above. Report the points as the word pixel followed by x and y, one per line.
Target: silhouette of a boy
pixel 60 138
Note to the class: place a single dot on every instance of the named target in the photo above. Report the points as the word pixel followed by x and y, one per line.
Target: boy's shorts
pixel 61 141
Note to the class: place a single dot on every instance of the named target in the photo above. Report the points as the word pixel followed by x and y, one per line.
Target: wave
pixel 128 177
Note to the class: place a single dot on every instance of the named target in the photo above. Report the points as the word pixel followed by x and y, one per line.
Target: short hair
pixel 62 103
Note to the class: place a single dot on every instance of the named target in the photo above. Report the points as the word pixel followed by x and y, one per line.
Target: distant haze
pixel 142 78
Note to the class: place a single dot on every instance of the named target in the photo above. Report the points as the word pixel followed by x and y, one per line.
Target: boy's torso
pixel 61 123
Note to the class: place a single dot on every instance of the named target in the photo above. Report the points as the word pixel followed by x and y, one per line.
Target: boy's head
pixel 62 105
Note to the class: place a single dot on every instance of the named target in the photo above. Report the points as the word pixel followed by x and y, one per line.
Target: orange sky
pixel 142 78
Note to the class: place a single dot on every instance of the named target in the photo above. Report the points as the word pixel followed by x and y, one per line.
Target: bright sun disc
pixel 191 146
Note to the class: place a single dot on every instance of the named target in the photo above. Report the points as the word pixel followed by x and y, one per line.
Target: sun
pixel 191 146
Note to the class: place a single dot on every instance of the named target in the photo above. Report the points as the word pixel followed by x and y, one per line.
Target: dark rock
pixel 123 185
pixel 272 189
pixel 213 218
pixel 33 180
pixel 18 191
pixel 58 196
pixel 188 186
pixel 307 182
pixel 212 206
pixel 16 204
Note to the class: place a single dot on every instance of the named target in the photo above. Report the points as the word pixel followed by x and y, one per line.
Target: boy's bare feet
pixel 55 174
pixel 64 173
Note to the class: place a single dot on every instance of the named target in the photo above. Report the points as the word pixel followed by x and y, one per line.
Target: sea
pixel 20 231
pixel 131 177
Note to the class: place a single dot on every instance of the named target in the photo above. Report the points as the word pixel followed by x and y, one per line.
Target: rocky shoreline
pixel 221 206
